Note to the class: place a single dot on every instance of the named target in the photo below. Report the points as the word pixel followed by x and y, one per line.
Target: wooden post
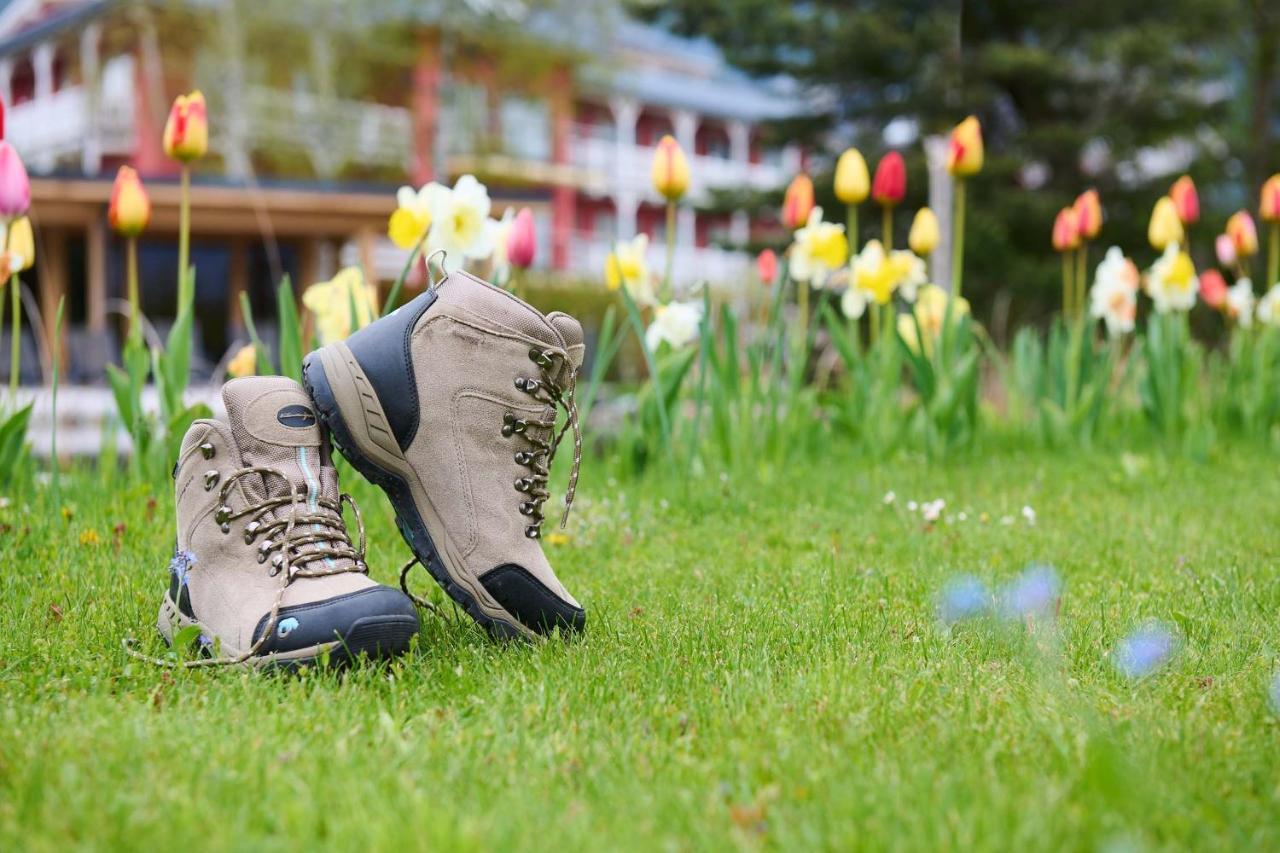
pixel 365 240
pixel 52 272
pixel 95 269
pixel 237 281
pixel 308 263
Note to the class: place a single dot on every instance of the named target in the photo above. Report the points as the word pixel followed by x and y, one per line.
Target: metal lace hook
pixel 432 284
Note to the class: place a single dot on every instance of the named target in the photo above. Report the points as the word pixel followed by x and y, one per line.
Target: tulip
pixel 1213 289
pixel 670 172
pixel 1185 200
pixel 1088 212
pixel 244 362
pixel 852 182
pixel 798 202
pixel 15 186
pixel 1269 210
pixel 1225 250
pixel 767 266
pixel 522 240
pixel 1165 226
pixel 21 246
pixel 890 183
pixel 1 119
pixel 1066 230
pixel 1243 234
pixel 130 208
pixel 186 133
pixel 924 235
pixel 965 155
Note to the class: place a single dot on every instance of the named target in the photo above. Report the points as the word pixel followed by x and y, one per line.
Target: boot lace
pixel 292 542
pixel 545 389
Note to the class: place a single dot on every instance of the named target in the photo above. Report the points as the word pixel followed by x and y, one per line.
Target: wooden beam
pixel 95 274
pixel 308 264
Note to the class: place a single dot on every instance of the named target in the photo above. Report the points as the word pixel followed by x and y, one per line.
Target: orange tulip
pixel 1088 211
pixel 1185 200
pixel 130 208
pixel 186 133
pixel 1066 230
pixel 1269 208
pixel 798 202
pixel 670 172
pixel 1243 233
pixel 965 155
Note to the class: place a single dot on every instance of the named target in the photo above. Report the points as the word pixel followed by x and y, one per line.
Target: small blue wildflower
pixel 1145 650
pixel 1032 593
pixel 205 642
pixel 963 598
pixel 181 564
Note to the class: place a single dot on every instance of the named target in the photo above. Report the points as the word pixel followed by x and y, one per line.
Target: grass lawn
pixel 763 667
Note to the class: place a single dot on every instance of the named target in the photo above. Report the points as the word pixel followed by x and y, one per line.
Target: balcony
pixel 66 126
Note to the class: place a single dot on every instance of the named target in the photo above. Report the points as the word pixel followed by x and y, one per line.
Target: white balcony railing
pixel 691 265
pixel 67 124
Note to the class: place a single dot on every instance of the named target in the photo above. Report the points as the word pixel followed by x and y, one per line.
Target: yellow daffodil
pixel 627 267
pixel 819 248
pixel 1171 282
pixel 852 182
pixel 341 305
pixel 244 362
pixel 924 235
pixel 930 312
pixel 1165 226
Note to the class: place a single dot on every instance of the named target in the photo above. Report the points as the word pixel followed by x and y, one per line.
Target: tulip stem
pixel 184 232
pixel 15 340
pixel 1082 272
pixel 1068 289
pixel 957 241
pixel 131 278
pixel 1273 257
pixel 888 227
pixel 671 249
pixel 851 227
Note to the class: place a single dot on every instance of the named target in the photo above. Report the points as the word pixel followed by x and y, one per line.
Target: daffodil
pixel 819 248
pixel 244 362
pixel 1114 295
pixel 677 323
pixel 627 267
pixel 1269 307
pixel 1171 281
pixel 341 305
pixel 1240 303
pixel 930 313
pixel 460 223
pixel 411 220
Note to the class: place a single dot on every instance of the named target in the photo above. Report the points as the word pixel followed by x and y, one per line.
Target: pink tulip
pixel 15 186
pixel 1226 250
pixel 1213 289
pixel 522 242
pixel 767 266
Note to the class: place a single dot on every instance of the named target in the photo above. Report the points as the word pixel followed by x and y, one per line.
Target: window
pixel 526 128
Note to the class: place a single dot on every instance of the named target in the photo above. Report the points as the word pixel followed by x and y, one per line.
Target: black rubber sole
pixel 408 520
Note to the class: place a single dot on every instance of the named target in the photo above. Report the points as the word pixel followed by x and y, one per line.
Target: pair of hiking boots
pixel 450 404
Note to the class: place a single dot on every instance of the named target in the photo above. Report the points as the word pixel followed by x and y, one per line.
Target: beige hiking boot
pixel 264 564
pixel 450 405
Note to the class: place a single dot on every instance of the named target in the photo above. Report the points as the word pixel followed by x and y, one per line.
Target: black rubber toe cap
pixel 526 598
pixel 378 621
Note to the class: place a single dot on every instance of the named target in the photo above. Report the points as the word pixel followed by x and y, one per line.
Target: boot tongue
pixel 571 331
pixel 274 425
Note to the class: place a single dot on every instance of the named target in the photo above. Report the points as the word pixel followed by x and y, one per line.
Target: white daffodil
pixel 1114 295
pixel 627 267
pixel 1269 306
pixel 460 222
pixel 411 219
pixel 853 303
pixel 677 323
pixel 501 271
pixel 1171 281
pixel 1240 303
pixel 819 248
pixel 912 271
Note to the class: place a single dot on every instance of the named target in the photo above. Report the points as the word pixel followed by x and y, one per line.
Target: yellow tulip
pixel 1165 226
pixel 853 182
pixel 1243 233
pixel 924 235
pixel 244 362
pixel 186 133
pixel 341 305
pixel 670 172
pixel 21 246
pixel 965 155
pixel 130 208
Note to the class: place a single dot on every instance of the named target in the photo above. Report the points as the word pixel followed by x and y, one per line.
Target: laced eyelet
pixel 512 424
pixel 524 484
pixel 223 515
pixel 207 450
pixel 277 563
pixel 540 357
pixel 531 508
pixel 210 480
pixel 526 384
pixel 251 532
pixel 524 457
pixel 263 550
pixel 533 532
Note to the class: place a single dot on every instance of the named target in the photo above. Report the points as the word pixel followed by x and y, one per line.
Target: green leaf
pixel 290 330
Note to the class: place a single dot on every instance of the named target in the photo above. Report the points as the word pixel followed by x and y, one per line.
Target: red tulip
pixel 1088 210
pixel 1213 289
pixel 1185 200
pixel 1066 230
pixel 767 266
pixel 890 183
pixel 522 240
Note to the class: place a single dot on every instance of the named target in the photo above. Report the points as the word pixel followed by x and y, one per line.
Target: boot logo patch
pixel 296 416
pixel 286 627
